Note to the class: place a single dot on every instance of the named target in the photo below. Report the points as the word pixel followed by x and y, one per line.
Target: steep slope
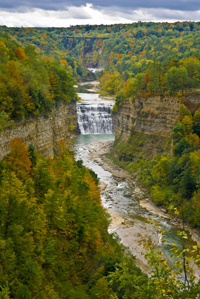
pixel 144 125
pixel 43 132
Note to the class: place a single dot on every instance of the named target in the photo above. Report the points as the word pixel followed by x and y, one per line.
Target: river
pixel 127 204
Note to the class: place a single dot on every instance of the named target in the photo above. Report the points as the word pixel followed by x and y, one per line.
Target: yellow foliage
pixel 175 50
pixel 188 124
pixel 64 62
pixel 193 139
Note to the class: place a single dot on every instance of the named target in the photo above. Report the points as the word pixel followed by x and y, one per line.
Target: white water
pixel 94 115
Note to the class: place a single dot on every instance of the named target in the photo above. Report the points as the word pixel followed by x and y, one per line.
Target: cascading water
pixel 94 115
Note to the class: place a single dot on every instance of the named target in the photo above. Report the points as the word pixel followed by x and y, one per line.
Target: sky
pixel 64 13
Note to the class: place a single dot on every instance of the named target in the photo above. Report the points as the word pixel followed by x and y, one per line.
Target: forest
pixel 139 58
pixel 30 84
pixel 52 246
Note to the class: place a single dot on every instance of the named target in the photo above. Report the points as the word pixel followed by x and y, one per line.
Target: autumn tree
pixel 18 159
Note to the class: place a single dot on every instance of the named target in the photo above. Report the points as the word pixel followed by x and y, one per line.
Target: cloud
pixel 153 14
pixel 90 14
pixel 21 5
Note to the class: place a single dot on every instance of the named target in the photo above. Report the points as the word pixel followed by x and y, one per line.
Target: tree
pixel 196 120
pixel 18 159
pixel 131 87
pixel 176 79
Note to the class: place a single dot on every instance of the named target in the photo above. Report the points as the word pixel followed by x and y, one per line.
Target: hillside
pixel 52 246
pixel 30 84
pixel 142 57
pixel 141 41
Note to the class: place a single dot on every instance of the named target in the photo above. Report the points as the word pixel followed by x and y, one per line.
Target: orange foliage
pixel 19 53
pixel 119 56
pixel 14 72
pixel 98 43
pixel 64 62
pixel 194 59
pixel 147 79
pixel 94 191
pixel 18 159
pixel 53 82
pixel 77 30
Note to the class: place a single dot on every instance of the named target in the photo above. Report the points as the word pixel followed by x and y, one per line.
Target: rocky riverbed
pixel 133 234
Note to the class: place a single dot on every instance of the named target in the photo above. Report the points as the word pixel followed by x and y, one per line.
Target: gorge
pixel 131 160
pixel 151 117
pixel 125 201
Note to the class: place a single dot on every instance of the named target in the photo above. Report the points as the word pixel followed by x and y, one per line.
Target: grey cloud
pixel 153 14
pixel 24 5
pixel 72 12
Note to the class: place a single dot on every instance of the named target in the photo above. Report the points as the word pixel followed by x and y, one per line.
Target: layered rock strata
pixel 44 132
pixel 153 117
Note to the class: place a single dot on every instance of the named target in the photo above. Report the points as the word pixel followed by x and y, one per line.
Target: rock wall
pixel 153 115
pixel 43 132
pixel 151 119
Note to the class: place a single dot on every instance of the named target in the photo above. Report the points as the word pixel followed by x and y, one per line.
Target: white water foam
pixel 94 116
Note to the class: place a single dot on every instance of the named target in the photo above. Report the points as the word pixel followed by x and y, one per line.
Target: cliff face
pixel 153 115
pixel 143 126
pixel 43 132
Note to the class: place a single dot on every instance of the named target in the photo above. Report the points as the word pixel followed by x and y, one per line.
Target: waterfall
pixel 94 117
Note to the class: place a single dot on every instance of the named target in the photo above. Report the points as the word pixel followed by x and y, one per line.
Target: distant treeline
pixel 139 58
pixel 169 77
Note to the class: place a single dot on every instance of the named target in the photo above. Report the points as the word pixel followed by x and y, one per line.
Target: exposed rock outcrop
pixel 154 115
pixel 147 122
pixel 43 132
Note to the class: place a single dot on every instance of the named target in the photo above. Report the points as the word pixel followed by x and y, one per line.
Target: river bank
pixel 132 235
pixel 100 156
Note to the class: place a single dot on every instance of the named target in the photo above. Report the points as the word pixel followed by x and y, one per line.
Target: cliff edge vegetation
pixel 30 84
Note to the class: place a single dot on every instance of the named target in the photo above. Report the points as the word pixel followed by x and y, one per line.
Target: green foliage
pixel 71 127
pixel 5 120
pixel 172 179
pixel 143 58
pixel 30 84
pixel 176 79
pixel 54 239
pixel 32 155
